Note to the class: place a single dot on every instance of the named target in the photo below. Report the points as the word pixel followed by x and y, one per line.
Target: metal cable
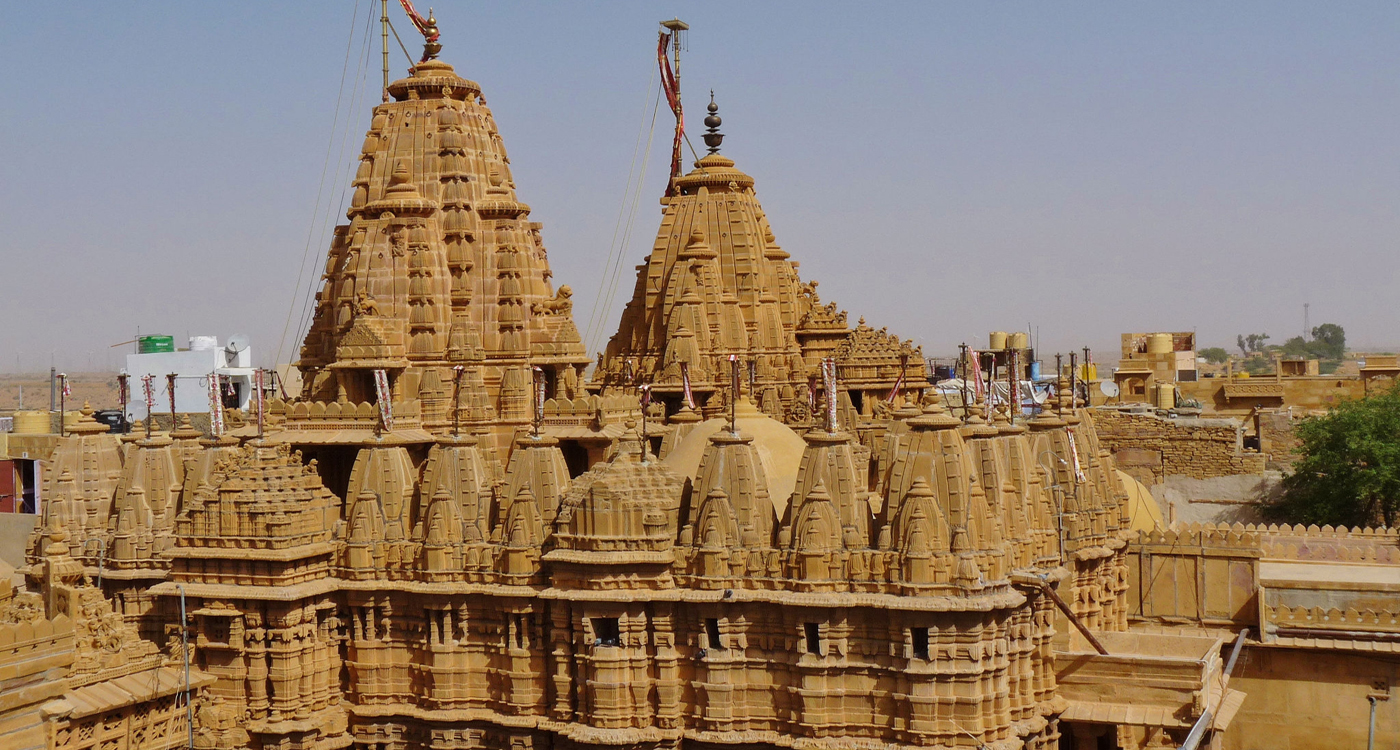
pixel 631 221
pixel 325 166
pixel 621 211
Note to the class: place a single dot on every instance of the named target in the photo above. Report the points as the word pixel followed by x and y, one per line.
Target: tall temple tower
pixel 717 285
pixel 440 280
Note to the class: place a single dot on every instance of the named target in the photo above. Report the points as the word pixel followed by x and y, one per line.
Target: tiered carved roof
pixel 438 266
pixel 717 284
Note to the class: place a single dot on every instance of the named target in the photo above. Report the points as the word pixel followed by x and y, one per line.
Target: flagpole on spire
pixel 384 32
pixel 671 85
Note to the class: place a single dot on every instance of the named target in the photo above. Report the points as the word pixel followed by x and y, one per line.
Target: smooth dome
pixel 1143 511
pixel 779 449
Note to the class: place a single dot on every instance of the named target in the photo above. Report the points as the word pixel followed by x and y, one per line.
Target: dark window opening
pixel 920 636
pixel 857 400
pixel 606 632
pixel 520 631
pixel 575 457
pixel 814 638
pixel 216 630
pixel 231 393
pixel 712 632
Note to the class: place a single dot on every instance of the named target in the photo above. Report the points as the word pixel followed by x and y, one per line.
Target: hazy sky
pixel 942 169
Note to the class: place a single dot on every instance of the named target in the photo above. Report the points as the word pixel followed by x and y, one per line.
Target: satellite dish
pixel 238 342
pixel 1108 388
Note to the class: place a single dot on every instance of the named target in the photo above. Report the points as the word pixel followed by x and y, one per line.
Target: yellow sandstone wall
pixel 1150 448
pixel 1322 607
pixel 1300 700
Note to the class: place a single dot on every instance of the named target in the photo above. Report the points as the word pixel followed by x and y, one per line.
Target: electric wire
pixel 628 227
pixel 327 221
pixel 621 212
pixel 325 167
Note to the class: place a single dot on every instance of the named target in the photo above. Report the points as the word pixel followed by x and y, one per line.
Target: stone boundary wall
pixel 1208 573
pixel 1151 448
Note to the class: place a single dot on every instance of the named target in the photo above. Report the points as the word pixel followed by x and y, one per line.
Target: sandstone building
pixel 406 556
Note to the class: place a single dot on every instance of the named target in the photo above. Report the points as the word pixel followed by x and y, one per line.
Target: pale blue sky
pixel 943 169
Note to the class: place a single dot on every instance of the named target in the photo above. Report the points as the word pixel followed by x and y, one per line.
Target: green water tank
pixel 155 343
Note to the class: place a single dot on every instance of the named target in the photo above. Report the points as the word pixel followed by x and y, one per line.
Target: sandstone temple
pixel 753 525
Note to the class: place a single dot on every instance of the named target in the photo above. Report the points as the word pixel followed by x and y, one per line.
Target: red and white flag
pixel 829 381
pixel 898 384
pixel 216 406
pixel 1014 387
pixel 685 381
pixel 538 374
pixel 259 393
pixel 976 362
pixel 1074 455
pixel 382 395
pixel 148 385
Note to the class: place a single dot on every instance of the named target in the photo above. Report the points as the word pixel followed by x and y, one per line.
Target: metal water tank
pixel 1166 396
pixel 32 422
pixel 155 343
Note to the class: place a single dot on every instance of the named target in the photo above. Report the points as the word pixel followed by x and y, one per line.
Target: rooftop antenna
pixel 1307 330
pixel 673 35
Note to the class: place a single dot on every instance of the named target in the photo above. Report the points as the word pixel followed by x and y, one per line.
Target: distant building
pixel 192 367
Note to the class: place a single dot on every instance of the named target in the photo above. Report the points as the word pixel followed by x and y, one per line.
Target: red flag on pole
pixel 685 380
pixel 829 376
pixel 216 406
pixel 672 88
pixel 382 394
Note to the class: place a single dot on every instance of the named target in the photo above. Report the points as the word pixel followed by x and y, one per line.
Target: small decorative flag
pixel 898 384
pixel 829 381
pixel 685 380
pixel 63 378
pixel 148 384
pixel 539 393
pixel 1074 455
pixel 259 394
pixel 975 360
pixel 383 396
pixel 1014 387
pixel 216 406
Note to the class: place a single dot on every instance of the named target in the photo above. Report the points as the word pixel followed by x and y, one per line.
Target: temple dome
pixel 1143 511
pixel 779 449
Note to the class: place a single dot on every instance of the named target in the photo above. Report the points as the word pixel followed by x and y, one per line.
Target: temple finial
pixel 712 122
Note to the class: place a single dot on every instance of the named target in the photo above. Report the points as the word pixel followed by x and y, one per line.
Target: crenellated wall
pixel 1321 604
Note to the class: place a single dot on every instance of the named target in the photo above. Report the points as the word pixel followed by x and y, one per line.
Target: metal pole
pixel 1073 378
pixel 124 394
pixel 258 385
pixel 1059 370
pixel 1370 735
pixel 185 646
pixel 1074 619
pixel 1087 396
pixel 384 32
pixel 962 348
pixel 733 394
pixel 457 401
pixel 170 387
pixel 1203 724
pixel 62 404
